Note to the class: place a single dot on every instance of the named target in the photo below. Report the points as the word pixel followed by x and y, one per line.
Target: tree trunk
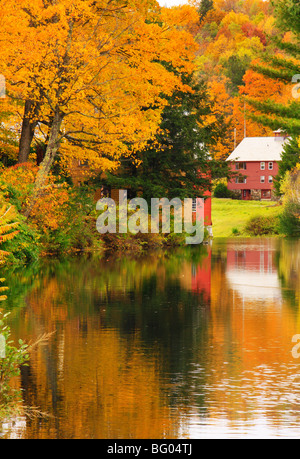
pixel 28 128
pixel 40 153
pixel 45 166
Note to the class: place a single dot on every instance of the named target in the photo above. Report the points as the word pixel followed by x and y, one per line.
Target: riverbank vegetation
pixel 12 357
pixel 135 96
pixel 232 218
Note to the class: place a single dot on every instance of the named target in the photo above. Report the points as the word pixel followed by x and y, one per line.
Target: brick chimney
pixel 280 135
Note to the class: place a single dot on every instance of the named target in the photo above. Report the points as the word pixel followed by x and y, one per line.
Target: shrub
pixel 24 247
pixel 221 191
pixel 262 226
pixel 289 220
pixel 21 244
pixel 61 220
pixel 74 226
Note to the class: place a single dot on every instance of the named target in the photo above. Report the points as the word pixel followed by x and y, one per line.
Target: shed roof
pixel 259 149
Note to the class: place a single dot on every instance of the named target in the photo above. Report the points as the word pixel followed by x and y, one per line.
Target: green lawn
pixel 228 214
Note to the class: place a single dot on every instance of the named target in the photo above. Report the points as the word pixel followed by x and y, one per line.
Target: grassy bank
pixel 230 216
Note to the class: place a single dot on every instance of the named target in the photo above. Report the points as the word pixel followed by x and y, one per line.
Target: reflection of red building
pixel 252 272
pixel 201 278
pixel 252 260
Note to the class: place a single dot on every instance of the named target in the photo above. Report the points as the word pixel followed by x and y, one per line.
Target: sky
pixel 171 2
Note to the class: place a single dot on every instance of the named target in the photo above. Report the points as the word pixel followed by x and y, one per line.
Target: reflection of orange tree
pixel 251 335
pixel 13 357
pixel 57 291
pixel 289 269
pixel 45 283
pixel 126 330
pixel 147 300
pixel 125 384
pixel 104 386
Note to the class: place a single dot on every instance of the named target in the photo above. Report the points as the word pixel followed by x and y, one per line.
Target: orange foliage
pixel 222 106
pixel 94 68
pixel 49 209
pixel 261 88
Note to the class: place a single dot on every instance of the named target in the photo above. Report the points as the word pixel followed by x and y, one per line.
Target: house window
pixel 270 166
pixel 240 180
pixel 240 166
pixel 262 166
pixel 262 179
pixel 270 178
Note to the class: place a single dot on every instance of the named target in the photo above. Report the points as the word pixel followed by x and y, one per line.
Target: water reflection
pixel 252 273
pixel 195 343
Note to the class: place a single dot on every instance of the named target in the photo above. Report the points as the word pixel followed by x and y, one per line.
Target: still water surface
pixel 188 344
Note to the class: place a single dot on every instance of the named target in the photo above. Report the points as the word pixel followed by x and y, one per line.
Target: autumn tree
pixel 260 88
pixel 281 67
pixel 8 127
pixel 204 7
pixel 290 189
pixel 221 112
pixel 93 68
pixel 177 162
pixel 232 35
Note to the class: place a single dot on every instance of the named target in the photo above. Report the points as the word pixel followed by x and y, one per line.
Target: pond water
pixel 193 343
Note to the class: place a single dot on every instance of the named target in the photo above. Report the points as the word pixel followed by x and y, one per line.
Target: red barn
pixel 256 159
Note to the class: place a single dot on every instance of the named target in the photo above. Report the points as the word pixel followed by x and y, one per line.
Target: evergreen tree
pixel 235 69
pixel 204 8
pixel 284 67
pixel 290 158
pixel 176 163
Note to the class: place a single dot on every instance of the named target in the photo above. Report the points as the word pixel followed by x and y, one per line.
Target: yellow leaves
pixel 3 289
pixel 19 176
pixel 49 208
pixel 180 16
pixel 235 18
pixel 222 106
pixel 7 214
pixel 8 237
pixel 267 24
pixel 290 186
pixel 105 65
